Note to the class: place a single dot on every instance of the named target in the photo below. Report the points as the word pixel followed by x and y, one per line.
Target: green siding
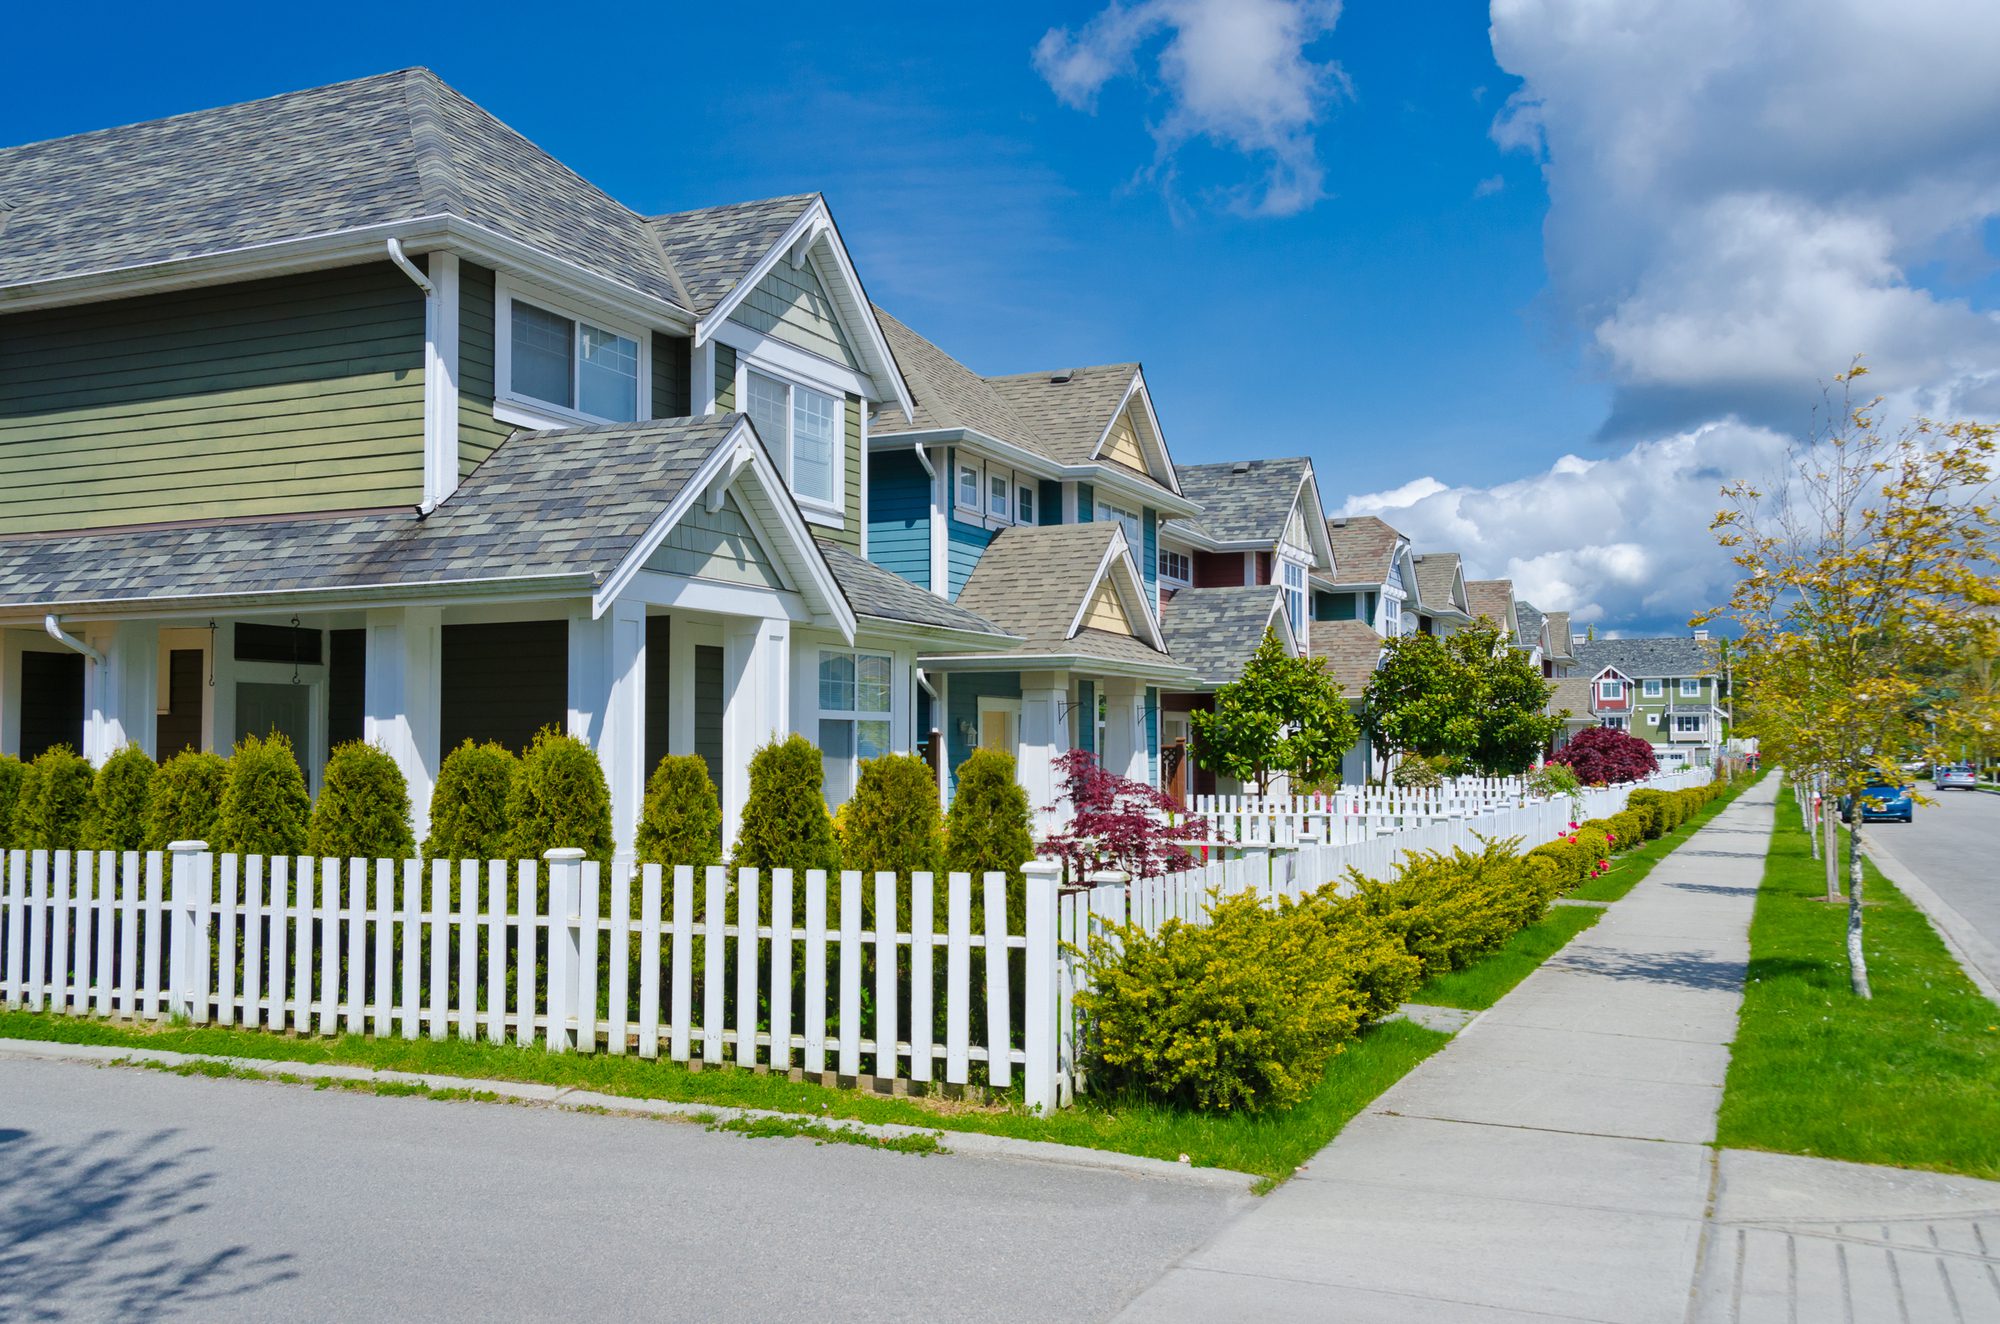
pixel 708 703
pixel 725 379
pixel 848 535
pixel 792 305
pixel 478 431
pixel 716 545
pixel 672 375
pixel 269 397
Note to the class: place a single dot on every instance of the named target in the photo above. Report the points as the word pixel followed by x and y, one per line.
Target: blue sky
pixel 1414 317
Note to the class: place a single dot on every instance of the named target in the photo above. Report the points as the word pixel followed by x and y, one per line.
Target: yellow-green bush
pixel 682 819
pixel 1370 956
pixel 119 795
pixel 1241 1013
pixel 1448 909
pixel 56 795
pixel 184 802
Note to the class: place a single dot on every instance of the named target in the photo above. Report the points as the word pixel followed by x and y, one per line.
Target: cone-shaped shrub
pixel 55 801
pixel 186 799
pixel 560 798
pixel 988 827
pixel 892 822
pixel 469 803
pixel 785 823
pixel 12 771
pixel 363 809
pixel 264 801
pixel 118 801
pixel 682 819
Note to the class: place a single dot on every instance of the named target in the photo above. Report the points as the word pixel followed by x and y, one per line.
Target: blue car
pixel 1881 803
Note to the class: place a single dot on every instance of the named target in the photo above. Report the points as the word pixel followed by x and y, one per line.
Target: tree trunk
pixel 1806 804
pixel 1832 853
pixel 1857 959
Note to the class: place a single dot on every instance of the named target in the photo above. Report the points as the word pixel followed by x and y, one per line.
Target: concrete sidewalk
pixel 1553 1162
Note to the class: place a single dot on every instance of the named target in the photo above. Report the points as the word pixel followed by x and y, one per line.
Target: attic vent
pixel 6 208
pixel 1240 467
pixel 1062 378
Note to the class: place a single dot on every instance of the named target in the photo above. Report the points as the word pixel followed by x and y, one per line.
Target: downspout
pixel 423 282
pixel 53 624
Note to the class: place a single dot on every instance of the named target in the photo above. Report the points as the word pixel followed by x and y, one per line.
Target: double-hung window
pixel 1686 724
pixel 1176 566
pixel 1134 531
pixel 1024 503
pixel 1690 688
pixel 801 427
pixel 854 690
pixel 1295 596
pixel 968 486
pixel 997 487
pixel 1611 689
pixel 571 363
pixel 1652 689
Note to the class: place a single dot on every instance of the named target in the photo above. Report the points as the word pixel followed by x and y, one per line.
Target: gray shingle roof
pixel 1069 417
pixel 873 591
pixel 1668 658
pixel 1493 599
pixel 1031 581
pixel 570 503
pixel 1351 651
pixel 1531 623
pixel 712 247
pixel 1364 549
pixel 1215 630
pixel 376 151
pixel 1243 501
pixel 1559 641
pixel 1436 573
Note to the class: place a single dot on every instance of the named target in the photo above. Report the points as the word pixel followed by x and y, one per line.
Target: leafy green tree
pixel 1514 724
pixel 1284 715
pixel 186 799
pixel 682 819
pixel 118 801
pixel 264 800
pixel 364 807
pixel 1422 700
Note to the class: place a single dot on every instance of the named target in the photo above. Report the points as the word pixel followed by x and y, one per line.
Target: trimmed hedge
pixel 185 801
pixel 1447 910
pixel 469 803
pixel 364 807
pixel 682 819
pixel 988 827
pixel 785 823
pixel 119 796
pixel 56 796
pixel 264 801
pixel 559 798
pixel 12 770
pixel 893 824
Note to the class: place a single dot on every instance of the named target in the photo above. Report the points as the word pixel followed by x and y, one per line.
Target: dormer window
pixel 996 496
pixel 801 427
pixel 968 486
pixel 1610 689
pixel 1024 504
pixel 561 366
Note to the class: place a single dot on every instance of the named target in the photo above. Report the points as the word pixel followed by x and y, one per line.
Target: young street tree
pixel 1466 698
pixel 1866 569
pixel 1284 715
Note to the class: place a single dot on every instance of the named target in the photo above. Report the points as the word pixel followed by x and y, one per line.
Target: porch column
pixel 1044 739
pixel 756 687
pixel 1124 729
pixel 121 693
pixel 400 688
pixel 607 706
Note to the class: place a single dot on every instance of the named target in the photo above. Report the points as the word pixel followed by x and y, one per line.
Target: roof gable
pixel 1251 502
pixel 1041 581
pixel 1215 630
pixel 1352 651
pixel 1441 583
pixel 1364 549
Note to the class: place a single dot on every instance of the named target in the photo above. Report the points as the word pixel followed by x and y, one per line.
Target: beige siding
pixel 1123 445
pixel 269 397
pixel 792 305
pixel 719 545
pixel 478 431
pixel 1106 611
pixel 725 379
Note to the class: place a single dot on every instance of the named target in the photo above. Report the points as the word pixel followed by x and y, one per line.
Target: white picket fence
pixel 319 946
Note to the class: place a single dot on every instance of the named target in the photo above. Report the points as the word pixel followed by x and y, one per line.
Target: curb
pixel 573 1099
pixel 1975 955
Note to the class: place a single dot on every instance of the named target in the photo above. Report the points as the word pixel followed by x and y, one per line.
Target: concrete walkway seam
pixel 574 1099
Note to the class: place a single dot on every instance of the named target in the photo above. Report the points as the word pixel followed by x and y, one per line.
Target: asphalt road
pixel 131 1194
pixel 1954 845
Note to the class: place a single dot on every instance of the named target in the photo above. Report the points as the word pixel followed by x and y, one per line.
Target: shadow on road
pixel 87 1229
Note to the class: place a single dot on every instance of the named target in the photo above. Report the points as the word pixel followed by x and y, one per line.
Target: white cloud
pixel 1488 186
pixel 1232 72
pixel 1622 540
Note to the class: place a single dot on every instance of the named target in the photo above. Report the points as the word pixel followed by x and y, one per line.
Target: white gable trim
pixel 815 234
pixel 1151 439
pixel 740 453
pixel 1315 518
pixel 1130 587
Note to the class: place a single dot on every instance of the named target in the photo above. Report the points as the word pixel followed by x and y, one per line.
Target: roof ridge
pixel 995 400
pixel 437 171
pixel 732 206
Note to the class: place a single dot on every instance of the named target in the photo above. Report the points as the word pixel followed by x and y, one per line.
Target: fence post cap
pixel 563 854
pixel 1043 868
pixel 1108 877
pixel 187 847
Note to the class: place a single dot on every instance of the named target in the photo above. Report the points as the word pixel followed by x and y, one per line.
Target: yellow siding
pixel 1107 612
pixel 1123 445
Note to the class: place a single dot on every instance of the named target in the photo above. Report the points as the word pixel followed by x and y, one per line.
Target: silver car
pixel 1955 776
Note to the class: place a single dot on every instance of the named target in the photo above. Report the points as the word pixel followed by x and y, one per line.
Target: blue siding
pixel 962 703
pixel 899 516
pixel 1051 500
pixel 1152 735
pixel 1086 716
pixel 965 544
pixel 1149 565
pixel 1086 503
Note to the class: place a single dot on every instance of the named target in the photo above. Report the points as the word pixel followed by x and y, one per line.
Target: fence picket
pixel 746 967
pixel 59 941
pixel 38 929
pixel 101 971
pixel 128 934
pixel 280 894
pixel 849 1064
pixel 999 1006
pixel 440 943
pixel 682 970
pixel 922 954
pixel 382 917
pixel 16 880
pixel 327 896
pixel 618 1013
pixel 957 979
pixel 468 949
pixel 885 976
pixel 496 951
pixel 649 961
pixel 253 940
pixel 586 974
pixel 413 945
pixel 782 937
pixel 528 932
pixel 815 1026
pixel 714 911
pixel 356 981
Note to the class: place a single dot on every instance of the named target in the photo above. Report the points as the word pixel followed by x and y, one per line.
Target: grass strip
pixel 1490 978
pixel 1628 867
pixel 1271 1146
pixel 1910 1077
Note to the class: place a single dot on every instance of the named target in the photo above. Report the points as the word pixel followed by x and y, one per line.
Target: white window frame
pixel 509 406
pixel 1690 687
pixel 1652 689
pixel 1026 487
pixel 856 715
pixel 1295 594
pixel 1135 532
pixel 977 472
pixel 1004 480
pixel 1185 558
pixel 1609 689
pixel 1689 724
pixel 784 452
pixel 1617 722
pixel 1652 719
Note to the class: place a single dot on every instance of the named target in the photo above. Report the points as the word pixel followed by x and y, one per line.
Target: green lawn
pixel 1911 1077
pixel 1486 981
pixel 1628 867
pixel 1270 1146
